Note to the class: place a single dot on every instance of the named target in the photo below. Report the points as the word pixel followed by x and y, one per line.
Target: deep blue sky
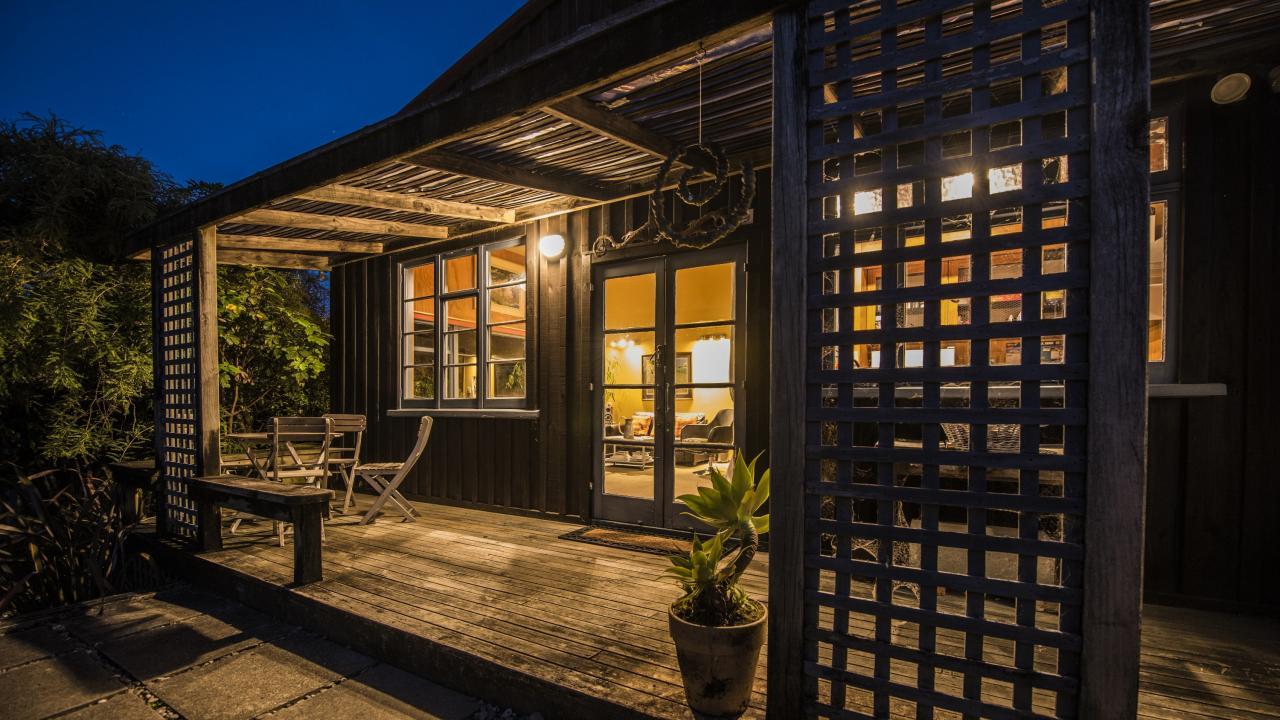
pixel 219 90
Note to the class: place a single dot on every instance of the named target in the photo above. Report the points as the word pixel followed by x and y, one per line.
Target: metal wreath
pixel 705 230
pixel 709 228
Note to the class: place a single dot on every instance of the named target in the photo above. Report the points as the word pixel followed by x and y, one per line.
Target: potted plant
pixel 718 630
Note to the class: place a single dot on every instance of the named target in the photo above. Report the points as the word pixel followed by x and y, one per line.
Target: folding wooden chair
pixel 386 477
pixel 299 448
pixel 344 454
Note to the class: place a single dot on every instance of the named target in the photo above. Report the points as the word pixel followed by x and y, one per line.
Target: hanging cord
pixel 702 54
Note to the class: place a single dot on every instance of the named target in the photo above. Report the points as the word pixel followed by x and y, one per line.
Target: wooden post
pixel 787 381
pixel 208 523
pixel 1112 612
pixel 307 565
pixel 157 380
pixel 206 298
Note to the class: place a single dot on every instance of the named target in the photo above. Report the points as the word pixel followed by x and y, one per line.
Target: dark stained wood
pixel 316 221
pixel 267 242
pixel 1117 426
pixel 669 32
pixel 584 113
pixel 206 335
pixel 579 458
pixel 1212 502
pixel 1260 509
pixel 786 377
pixel 1163 530
pixel 302 505
pixel 265 491
pixel 552 324
pixel 362 197
pixel 264 258
pixel 481 600
pixel 508 174
pixel 486 460
pixel 307 538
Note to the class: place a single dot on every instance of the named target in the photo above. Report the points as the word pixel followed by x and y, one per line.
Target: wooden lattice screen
pixel 174 290
pixel 948 301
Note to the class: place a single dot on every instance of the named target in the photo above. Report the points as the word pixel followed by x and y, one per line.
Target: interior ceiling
pixel 611 143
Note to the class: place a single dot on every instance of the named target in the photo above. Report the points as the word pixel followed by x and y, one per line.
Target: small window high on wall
pixel 464 328
pixel 1164 221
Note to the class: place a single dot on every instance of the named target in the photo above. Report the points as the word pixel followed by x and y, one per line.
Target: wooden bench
pixel 303 505
pixel 134 480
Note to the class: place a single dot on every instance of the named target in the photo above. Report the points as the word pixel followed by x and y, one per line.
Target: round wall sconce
pixel 1230 88
pixel 551 246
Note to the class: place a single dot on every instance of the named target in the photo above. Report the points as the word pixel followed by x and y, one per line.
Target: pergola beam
pixel 508 175
pixel 262 258
pixel 348 195
pixel 313 221
pixel 590 116
pixel 268 242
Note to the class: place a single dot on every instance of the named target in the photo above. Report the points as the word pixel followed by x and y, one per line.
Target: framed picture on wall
pixel 684 374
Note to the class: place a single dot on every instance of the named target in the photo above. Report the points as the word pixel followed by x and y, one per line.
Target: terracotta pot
pixel 718 664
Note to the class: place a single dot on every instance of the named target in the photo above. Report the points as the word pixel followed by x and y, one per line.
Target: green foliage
pixel 75 348
pixel 75 332
pixel 272 346
pixel 712 595
pixel 75 322
pixel 60 540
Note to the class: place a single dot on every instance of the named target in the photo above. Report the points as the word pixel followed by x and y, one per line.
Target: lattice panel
pixel 947 360
pixel 177 438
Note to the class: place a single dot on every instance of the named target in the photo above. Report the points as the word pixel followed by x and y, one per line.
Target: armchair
pixel 719 430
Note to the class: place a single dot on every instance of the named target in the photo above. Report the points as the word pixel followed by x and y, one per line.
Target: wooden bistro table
pixel 251 440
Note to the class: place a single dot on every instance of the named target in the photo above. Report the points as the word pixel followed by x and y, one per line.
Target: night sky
pixel 217 91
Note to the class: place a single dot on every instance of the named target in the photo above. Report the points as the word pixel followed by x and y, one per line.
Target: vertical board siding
pixel 470 460
pixel 542 465
pixel 944 506
pixel 1213 498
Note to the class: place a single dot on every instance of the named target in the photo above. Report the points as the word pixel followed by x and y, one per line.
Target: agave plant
pixel 709 580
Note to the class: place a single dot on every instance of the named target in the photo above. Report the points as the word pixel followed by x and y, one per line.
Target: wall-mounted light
pixel 1230 88
pixel 551 246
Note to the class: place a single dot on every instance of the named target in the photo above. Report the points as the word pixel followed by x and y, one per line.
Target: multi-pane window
pixel 479 296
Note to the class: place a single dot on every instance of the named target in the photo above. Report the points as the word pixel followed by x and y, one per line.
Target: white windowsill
pixel 495 413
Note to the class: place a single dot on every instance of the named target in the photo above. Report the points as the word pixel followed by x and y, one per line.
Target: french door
pixel 669 348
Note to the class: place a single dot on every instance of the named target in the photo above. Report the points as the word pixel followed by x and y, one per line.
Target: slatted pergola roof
pixel 597 144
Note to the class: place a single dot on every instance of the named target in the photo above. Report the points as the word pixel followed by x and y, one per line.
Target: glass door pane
pixel 630 409
pixel 705 382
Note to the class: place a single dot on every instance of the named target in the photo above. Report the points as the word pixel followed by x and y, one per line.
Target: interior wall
pixel 1213 491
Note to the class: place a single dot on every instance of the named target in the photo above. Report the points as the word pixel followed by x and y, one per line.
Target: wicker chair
pixel 1001 437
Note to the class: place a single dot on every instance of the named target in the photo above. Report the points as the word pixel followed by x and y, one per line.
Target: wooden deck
pixel 499 606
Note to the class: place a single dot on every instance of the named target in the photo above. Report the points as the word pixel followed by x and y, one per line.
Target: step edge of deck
pixel 446 665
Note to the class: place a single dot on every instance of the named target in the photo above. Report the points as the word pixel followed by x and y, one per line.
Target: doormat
pixel 638 540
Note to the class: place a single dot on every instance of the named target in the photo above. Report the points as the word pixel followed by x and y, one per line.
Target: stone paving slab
pixel 249 683
pixel 382 693
pixel 172 648
pixel 185 653
pixel 125 705
pixel 98 622
pixel 53 685
pixel 23 646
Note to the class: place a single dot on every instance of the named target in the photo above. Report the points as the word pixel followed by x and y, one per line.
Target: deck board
pixel 591 620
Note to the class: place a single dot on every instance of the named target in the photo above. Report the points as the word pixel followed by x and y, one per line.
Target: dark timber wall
pixel 1213 490
pixel 540 465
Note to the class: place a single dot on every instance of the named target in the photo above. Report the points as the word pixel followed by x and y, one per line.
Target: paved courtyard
pixel 184 653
